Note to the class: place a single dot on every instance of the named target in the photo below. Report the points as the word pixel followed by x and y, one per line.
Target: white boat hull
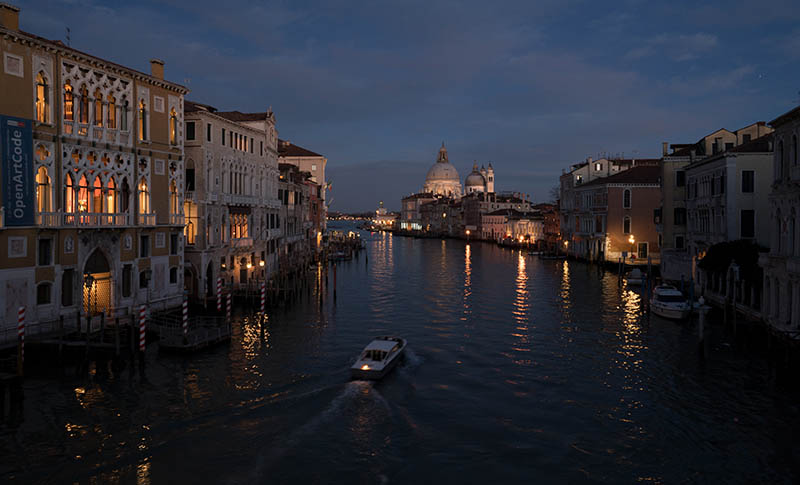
pixel 670 313
pixel 367 369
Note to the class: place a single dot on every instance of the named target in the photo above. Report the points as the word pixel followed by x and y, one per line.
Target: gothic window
pixel 69 102
pixel 97 195
pixel 142 121
pixel 173 127
pixel 84 106
pixel 42 99
pixel 126 196
pixel 69 194
pixel 83 194
pixel 98 107
pixel 112 112
pixel 42 190
pixel 626 199
pixel 111 196
pixel 144 197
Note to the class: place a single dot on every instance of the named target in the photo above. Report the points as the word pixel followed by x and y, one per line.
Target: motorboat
pixel 378 358
pixel 635 277
pixel 670 303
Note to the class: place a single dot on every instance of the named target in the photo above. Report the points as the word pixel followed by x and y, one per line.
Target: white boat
pixel 378 358
pixel 668 302
pixel 634 277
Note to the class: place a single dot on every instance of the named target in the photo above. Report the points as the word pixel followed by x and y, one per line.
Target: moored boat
pixel 378 358
pixel 670 303
pixel 635 277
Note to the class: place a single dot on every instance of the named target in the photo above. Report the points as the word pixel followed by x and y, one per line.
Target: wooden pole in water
pixel 142 335
pixel 21 340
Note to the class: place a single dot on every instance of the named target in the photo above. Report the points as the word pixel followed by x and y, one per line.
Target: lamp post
pixel 632 241
pixel 467 234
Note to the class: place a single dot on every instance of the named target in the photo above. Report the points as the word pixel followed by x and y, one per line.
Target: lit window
pixel 42 190
pixel 69 194
pixel 142 121
pixel 97 195
pixel 144 197
pixel 42 99
pixel 111 196
pixel 173 127
pixel 83 194
pixel 69 105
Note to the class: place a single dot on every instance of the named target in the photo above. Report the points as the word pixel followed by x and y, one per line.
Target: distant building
pixel 614 216
pixel 442 178
pixel 306 161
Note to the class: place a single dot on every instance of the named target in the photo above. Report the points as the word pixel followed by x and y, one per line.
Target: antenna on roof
pixel 68 38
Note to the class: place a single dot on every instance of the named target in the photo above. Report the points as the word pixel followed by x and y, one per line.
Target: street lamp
pixel 467 234
pixel 632 240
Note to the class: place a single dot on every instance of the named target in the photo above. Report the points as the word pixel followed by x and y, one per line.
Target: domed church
pixel 442 178
pixel 480 181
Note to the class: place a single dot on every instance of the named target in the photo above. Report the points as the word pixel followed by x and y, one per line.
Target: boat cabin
pixel 378 350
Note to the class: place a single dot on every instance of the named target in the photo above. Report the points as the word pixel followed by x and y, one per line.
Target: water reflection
pixel 520 310
pixel 467 282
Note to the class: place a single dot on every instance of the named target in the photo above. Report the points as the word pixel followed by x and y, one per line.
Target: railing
pixel 241 242
pixel 188 195
pixel 147 219
pixel 177 219
pixel 9 337
pixel 83 219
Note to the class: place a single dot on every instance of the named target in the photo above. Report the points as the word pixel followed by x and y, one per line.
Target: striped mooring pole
pixel 263 296
pixel 219 294
pixel 21 332
pixel 185 315
pixel 228 306
pixel 142 311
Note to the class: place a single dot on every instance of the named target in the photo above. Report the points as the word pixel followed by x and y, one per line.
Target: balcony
pixel 241 242
pixel 83 219
pixel 189 195
pixel 146 219
pixel 177 219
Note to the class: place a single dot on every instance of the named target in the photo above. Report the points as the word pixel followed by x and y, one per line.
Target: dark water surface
pixel 518 370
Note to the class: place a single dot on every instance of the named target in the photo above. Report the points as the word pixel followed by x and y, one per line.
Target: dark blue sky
pixel 531 85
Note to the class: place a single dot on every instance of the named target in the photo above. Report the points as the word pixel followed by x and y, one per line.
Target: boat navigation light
pixel 365 367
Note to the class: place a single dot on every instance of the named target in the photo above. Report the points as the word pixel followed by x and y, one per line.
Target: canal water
pixel 518 370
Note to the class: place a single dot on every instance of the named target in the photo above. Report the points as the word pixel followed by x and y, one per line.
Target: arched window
pixel 123 116
pixel 144 197
pixel 112 112
pixel 42 99
pixel 98 107
pixel 142 121
pixel 626 199
pixel 97 195
pixel 780 169
pixel 626 225
pixel 790 247
pixel 111 196
pixel 83 194
pixel 794 149
pixel 69 103
pixel 173 198
pixel 42 190
pixel 173 127
pixel 69 194
pixel 84 114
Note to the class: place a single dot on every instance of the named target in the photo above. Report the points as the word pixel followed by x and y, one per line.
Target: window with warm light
pixel 69 102
pixel 173 127
pixel 97 195
pixel 43 203
pixel 83 194
pixel 42 99
pixel 69 194
pixel 111 196
pixel 144 197
pixel 142 121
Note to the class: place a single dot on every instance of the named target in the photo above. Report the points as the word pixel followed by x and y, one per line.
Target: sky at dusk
pixel 531 86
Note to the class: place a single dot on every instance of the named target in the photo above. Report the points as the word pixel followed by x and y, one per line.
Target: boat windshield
pixel 375 354
pixel 671 298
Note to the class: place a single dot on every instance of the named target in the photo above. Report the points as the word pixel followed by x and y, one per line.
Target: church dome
pixel 475 179
pixel 442 178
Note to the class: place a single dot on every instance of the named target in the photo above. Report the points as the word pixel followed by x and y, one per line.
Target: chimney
pixel 664 149
pixel 157 68
pixel 9 16
pixel 589 160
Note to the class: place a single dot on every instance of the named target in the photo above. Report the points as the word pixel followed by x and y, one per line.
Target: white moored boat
pixel 378 358
pixel 668 302
pixel 634 277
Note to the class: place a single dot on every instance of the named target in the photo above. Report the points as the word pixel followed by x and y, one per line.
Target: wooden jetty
pixel 201 332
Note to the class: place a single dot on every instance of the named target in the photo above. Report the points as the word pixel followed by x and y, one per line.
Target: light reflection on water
pixel 516 367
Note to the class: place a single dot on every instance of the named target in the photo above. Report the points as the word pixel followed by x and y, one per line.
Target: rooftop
pixel 239 116
pixel 640 174
pixel 289 149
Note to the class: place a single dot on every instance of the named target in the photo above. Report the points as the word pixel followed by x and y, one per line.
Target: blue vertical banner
pixel 16 145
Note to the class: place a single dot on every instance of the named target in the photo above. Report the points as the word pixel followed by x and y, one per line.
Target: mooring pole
pixel 21 340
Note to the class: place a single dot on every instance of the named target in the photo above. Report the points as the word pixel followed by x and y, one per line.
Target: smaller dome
pixel 475 178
